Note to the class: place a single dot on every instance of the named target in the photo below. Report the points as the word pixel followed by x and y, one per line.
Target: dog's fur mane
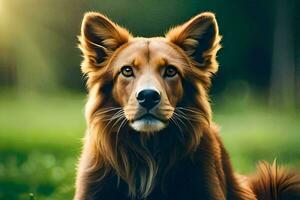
pixel 141 163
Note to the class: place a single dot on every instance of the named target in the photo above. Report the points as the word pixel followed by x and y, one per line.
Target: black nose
pixel 148 98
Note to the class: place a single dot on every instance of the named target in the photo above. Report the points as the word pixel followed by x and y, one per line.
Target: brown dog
pixel 150 134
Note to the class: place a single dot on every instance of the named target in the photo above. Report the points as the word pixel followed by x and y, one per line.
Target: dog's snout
pixel 148 98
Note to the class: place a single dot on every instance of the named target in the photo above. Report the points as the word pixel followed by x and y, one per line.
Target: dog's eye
pixel 127 71
pixel 170 71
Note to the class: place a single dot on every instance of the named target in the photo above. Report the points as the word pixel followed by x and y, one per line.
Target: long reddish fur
pixel 100 164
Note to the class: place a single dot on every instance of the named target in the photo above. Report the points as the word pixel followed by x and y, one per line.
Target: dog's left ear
pixel 200 40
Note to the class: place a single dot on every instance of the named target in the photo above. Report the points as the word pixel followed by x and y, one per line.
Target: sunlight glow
pixel 2 12
pixel 1 7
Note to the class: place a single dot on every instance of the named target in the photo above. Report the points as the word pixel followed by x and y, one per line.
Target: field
pixel 40 141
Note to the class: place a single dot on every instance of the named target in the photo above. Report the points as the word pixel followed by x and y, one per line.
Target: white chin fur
pixel 147 125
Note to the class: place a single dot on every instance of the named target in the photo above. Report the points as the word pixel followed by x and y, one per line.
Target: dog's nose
pixel 148 98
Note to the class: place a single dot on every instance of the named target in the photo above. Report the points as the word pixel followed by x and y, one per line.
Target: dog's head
pixel 153 80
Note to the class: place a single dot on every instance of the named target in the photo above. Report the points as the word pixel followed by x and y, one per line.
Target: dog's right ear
pixel 99 38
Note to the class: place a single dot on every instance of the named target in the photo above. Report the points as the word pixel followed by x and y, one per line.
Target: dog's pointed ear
pixel 200 40
pixel 100 37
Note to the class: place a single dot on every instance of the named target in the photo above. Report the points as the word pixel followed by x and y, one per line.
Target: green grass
pixel 258 133
pixel 40 142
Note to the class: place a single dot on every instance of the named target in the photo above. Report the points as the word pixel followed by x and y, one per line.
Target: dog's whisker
pixel 195 113
pixel 181 114
pixel 179 118
pixel 118 119
pixel 103 111
pixel 184 116
pixel 112 118
pixel 173 119
pixel 117 114
pixel 109 108
pixel 189 110
pixel 117 134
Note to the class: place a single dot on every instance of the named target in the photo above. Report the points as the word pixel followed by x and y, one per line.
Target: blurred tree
pixel 284 74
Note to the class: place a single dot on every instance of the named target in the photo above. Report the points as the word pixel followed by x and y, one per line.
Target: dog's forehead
pixel 147 50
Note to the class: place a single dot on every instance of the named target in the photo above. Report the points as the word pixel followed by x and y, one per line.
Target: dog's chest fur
pixel 184 181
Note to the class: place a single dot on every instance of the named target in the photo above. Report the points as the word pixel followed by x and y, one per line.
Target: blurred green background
pixel 255 96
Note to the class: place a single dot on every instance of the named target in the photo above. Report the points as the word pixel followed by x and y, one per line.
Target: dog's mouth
pixel 148 123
